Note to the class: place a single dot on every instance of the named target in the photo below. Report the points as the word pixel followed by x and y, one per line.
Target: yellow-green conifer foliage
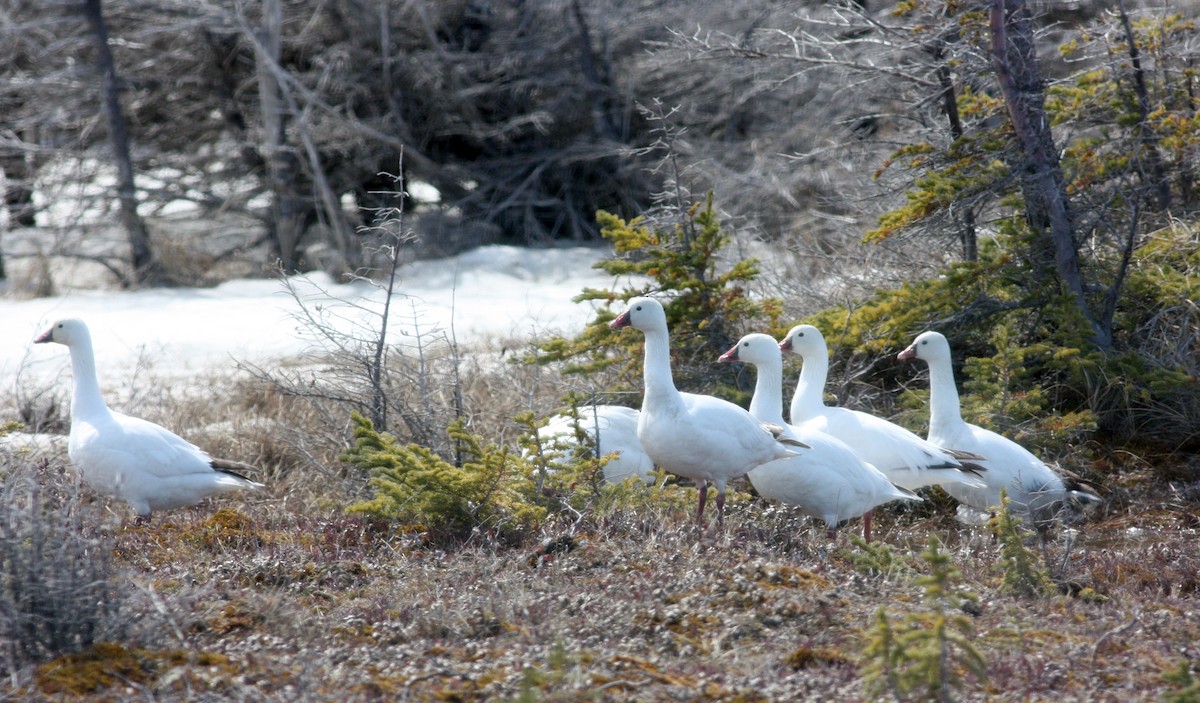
pixel 1189 687
pixel 1128 134
pixel 708 303
pixel 876 559
pixel 1025 337
pixel 491 489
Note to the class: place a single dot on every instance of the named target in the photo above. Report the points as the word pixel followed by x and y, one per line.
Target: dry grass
pixel 248 601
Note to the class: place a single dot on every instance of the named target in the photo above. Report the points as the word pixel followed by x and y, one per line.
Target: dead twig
pixel 1133 621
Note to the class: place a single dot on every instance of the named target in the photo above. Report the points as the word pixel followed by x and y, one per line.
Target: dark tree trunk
pixel 1014 59
pixel 18 195
pixel 145 268
pixel 18 188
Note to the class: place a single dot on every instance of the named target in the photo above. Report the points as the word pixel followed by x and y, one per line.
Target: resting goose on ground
pixel 828 481
pixel 907 460
pixel 127 457
pixel 700 437
pixel 1035 490
pixel 610 429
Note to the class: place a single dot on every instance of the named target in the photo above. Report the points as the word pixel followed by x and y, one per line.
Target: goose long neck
pixel 86 400
pixel 809 398
pixel 944 408
pixel 767 403
pixel 660 386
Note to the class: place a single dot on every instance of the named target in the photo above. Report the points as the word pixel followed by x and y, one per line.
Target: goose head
pixel 65 332
pixel 753 349
pixel 804 340
pixel 642 314
pixel 928 346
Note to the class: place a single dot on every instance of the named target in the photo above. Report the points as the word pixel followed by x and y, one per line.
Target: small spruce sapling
pixel 492 488
pixel 1023 576
pixel 923 654
pixel 707 304
pixel 876 559
pixel 1189 687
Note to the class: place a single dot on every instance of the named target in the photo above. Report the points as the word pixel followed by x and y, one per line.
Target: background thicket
pixel 529 117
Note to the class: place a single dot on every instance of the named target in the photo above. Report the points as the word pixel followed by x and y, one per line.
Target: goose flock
pixel 834 464
pixel 830 481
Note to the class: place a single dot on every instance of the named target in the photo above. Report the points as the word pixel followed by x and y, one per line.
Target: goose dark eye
pixel 745 344
pixel 925 341
pixel 638 307
pixel 799 334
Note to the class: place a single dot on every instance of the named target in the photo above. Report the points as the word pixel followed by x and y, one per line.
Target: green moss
pixel 109 664
pixel 229 528
pixel 806 657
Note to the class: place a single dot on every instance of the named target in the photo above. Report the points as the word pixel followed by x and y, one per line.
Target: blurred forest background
pixel 528 117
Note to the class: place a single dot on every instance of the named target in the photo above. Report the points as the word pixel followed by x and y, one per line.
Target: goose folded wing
pixel 159 451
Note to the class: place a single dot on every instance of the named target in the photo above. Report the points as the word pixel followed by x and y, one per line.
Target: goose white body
pixel 907 460
pixel 828 481
pixel 1035 490
pixel 142 463
pixel 700 437
pixel 612 429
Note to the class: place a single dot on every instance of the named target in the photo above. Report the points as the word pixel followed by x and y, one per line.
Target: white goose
pixel 1036 492
pixel 828 481
pixel 127 457
pixel 610 429
pixel 906 459
pixel 700 437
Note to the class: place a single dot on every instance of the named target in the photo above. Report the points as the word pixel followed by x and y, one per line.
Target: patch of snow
pixel 483 294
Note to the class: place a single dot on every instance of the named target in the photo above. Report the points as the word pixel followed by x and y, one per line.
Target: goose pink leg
pixel 703 486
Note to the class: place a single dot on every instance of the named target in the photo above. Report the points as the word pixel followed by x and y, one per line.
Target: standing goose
pixel 127 457
pixel 695 436
pixel 906 459
pixel 1036 492
pixel 610 429
pixel 829 481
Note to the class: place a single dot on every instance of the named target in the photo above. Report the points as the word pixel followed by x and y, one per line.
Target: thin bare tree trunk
pixel 340 235
pixel 966 230
pixel 287 222
pixel 1146 135
pixel 1014 59
pixel 145 267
